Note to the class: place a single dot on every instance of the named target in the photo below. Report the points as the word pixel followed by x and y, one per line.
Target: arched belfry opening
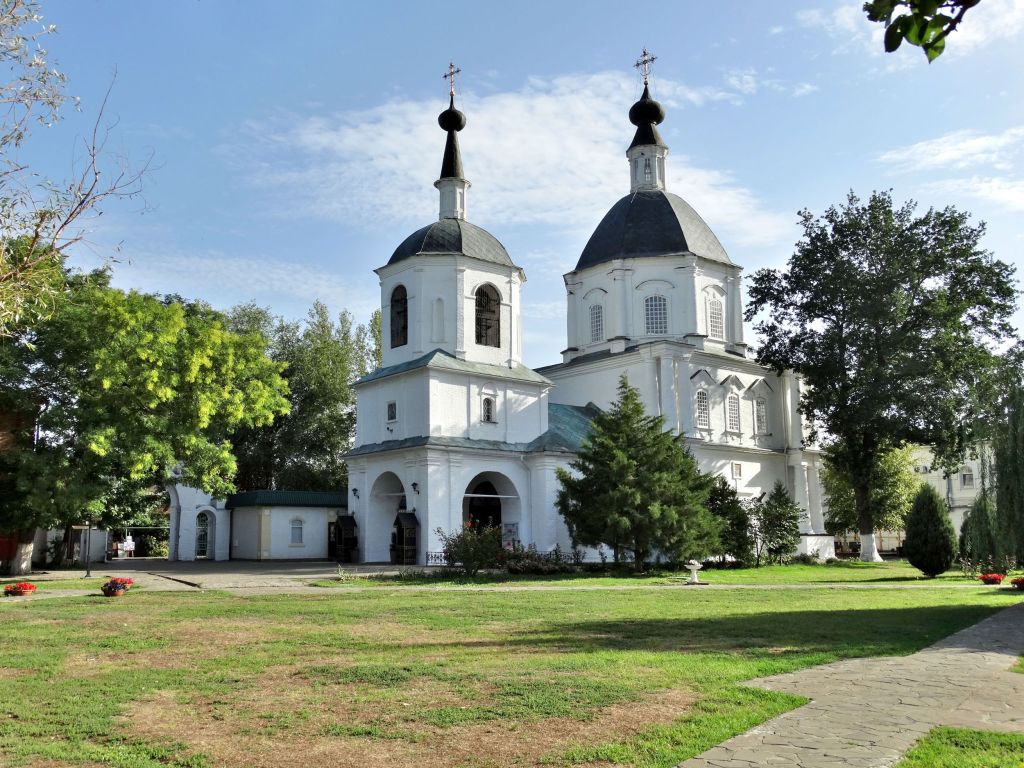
pixel 488 316
pixel 483 508
pixel 399 317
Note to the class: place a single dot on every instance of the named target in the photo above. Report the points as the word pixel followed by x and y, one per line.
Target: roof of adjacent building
pixel 441 360
pixel 287 499
pixel 568 426
pixel 449 237
pixel 651 223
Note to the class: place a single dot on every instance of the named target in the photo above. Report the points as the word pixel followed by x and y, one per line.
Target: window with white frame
pixel 596 323
pixel 703 410
pixel 487 410
pixel 655 315
pixel 716 318
pixel 966 477
pixel 732 413
pixel 737 470
pixel 296 528
pixel 761 416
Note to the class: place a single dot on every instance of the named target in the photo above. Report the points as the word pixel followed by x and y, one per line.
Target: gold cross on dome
pixel 450 77
pixel 644 64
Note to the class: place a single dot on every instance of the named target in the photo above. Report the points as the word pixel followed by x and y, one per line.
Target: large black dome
pixel 452 236
pixel 651 223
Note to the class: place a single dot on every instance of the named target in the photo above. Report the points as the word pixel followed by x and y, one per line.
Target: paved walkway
pixel 866 713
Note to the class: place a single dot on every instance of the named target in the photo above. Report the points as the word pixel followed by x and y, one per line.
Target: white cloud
pixel 549 154
pixel 1004 192
pixel 990 21
pixel 847 24
pixel 964 149
pixel 802 89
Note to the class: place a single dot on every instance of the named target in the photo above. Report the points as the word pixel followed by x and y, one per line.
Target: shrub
pixel 472 548
pixel 930 542
pixel 529 560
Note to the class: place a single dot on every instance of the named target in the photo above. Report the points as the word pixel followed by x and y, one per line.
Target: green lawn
pixel 957 748
pixel 47 584
pixel 840 572
pixel 448 678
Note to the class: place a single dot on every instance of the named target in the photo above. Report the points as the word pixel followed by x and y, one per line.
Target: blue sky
pixel 294 147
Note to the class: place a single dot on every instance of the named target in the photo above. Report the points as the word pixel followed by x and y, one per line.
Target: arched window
pixel 732 413
pixel 296 526
pixel 596 323
pixel 716 319
pixel 647 169
pixel 655 315
pixel 399 317
pixel 703 410
pixel 761 416
pixel 487 412
pixel 488 316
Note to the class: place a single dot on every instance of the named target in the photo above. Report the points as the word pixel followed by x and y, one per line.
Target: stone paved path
pixel 866 713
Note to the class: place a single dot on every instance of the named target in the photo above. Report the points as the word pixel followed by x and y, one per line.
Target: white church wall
pixel 315 521
pixel 408 392
pixel 245 533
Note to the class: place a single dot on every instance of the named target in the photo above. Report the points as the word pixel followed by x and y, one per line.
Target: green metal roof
pixel 288 499
pixel 438 359
pixel 568 426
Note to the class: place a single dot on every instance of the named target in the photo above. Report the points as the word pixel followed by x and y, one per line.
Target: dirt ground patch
pixel 293 741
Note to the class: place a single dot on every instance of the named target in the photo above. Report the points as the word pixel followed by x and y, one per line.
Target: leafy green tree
pixel 635 488
pixel 775 525
pixel 304 448
pixel 893 487
pixel 725 504
pixel 924 23
pixel 114 390
pixel 891 319
pixel 1009 471
pixel 930 543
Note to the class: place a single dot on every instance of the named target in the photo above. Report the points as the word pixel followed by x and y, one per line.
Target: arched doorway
pixel 483 509
pixel 204 523
pixel 491 499
pixel 390 523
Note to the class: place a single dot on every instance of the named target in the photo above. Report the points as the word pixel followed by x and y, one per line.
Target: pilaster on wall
pixel 460 312
pixel 667 392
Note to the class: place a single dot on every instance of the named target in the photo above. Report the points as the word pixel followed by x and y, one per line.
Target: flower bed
pixel 1018 583
pixel 992 578
pixel 117 586
pixel 21 588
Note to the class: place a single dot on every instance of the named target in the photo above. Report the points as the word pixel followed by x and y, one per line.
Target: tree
pixel 304 448
pixel 930 543
pixel 978 531
pixel 1009 470
pixel 891 320
pixel 635 488
pixel 893 489
pixel 114 390
pixel 725 504
pixel 775 524
pixel 925 23
pixel 38 217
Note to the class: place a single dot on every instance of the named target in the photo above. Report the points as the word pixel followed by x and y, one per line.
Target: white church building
pixel 454 428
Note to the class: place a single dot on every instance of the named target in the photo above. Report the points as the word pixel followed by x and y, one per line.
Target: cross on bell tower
pixel 644 65
pixel 450 76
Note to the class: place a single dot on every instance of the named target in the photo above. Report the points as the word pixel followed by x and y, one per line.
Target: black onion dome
pixel 449 237
pixel 651 223
pixel 645 114
pixel 451 119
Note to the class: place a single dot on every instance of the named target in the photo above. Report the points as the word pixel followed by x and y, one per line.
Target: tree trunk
pixel 21 565
pixel 865 523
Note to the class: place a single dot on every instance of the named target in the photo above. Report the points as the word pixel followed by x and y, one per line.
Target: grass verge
pixel 960 748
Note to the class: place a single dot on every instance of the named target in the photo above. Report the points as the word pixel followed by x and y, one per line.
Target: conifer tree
pixel 724 503
pixel 1009 461
pixel 978 531
pixel 775 522
pixel 636 489
pixel 930 543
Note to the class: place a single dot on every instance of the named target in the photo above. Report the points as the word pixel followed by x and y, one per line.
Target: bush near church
pixel 930 542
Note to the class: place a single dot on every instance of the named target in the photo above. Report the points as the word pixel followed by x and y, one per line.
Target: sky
pixel 289 148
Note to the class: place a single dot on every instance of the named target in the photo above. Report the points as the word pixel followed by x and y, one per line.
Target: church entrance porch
pixel 387 507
